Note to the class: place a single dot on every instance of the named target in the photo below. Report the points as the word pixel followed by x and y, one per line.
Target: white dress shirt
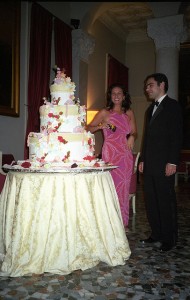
pixel 159 101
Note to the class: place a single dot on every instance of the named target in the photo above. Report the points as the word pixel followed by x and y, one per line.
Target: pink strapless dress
pixel 114 150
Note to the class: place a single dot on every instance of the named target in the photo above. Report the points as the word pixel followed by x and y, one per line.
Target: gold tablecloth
pixel 59 223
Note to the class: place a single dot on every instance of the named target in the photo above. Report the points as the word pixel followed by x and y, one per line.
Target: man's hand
pixel 170 169
pixel 141 167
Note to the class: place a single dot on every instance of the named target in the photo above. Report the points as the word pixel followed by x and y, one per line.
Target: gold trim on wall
pixel 10 39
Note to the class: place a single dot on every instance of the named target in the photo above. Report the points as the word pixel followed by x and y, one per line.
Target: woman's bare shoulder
pixel 104 111
pixel 130 113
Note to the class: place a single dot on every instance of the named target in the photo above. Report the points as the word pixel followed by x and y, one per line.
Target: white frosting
pixel 60 147
pixel 62 118
pixel 62 98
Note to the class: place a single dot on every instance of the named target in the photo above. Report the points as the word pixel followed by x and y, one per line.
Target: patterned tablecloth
pixel 60 222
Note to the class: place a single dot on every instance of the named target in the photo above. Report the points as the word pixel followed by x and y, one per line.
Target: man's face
pixel 154 90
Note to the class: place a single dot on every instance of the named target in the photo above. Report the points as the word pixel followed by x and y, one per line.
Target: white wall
pixel 140 58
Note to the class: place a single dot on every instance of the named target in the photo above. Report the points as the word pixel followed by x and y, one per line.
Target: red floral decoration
pixel 96 164
pixel 90 141
pixel 62 140
pixel 66 156
pixel 88 157
pixel 26 164
pixel 51 115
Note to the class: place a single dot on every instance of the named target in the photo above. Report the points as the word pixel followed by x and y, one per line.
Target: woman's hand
pixel 130 142
pixel 103 125
pixel 99 121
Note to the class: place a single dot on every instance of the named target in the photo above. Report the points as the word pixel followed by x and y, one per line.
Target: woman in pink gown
pixel 118 123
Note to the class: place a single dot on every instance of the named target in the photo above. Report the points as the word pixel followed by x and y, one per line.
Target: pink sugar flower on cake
pixel 68 79
pixel 56 101
pixel 90 141
pixel 46 102
pixel 66 157
pixel 59 76
pixel 52 130
pixel 78 129
pixel 42 159
pixel 62 140
pixel 91 148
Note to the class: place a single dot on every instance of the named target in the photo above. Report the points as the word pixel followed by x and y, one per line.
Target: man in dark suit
pixel 159 159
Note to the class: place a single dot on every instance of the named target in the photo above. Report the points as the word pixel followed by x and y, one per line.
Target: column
pixel 82 46
pixel 167 33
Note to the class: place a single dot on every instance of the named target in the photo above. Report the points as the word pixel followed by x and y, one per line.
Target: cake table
pixel 59 222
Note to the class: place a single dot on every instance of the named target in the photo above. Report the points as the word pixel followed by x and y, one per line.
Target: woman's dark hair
pixel 126 103
pixel 159 78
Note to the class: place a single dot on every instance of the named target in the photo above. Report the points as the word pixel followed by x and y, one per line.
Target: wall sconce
pixel 90 115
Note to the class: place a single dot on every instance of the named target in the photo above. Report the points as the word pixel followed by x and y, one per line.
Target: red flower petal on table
pixel 96 164
pixel 26 164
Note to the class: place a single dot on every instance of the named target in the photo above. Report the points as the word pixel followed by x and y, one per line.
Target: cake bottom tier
pixel 65 147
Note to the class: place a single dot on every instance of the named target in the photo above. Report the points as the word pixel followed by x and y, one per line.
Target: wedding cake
pixel 62 140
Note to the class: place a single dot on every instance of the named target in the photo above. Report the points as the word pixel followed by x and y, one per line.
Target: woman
pixel 118 145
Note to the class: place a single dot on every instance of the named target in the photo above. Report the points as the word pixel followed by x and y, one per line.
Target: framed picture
pixel 9 58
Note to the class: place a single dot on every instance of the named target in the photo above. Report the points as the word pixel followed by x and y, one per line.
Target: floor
pixel 146 275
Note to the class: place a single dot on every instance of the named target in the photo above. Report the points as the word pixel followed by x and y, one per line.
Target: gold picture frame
pixel 9 58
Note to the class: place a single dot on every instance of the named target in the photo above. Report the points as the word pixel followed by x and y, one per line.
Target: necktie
pixel 156 103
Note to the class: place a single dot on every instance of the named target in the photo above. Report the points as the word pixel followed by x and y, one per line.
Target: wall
pixel 12 130
pixel 140 58
pixel 58 9
pixel 105 42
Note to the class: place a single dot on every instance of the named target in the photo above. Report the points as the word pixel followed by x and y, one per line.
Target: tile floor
pixel 146 275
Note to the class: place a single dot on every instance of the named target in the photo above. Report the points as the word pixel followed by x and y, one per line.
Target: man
pixel 159 159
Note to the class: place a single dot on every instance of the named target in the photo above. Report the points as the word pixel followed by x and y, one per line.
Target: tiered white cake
pixel 62 138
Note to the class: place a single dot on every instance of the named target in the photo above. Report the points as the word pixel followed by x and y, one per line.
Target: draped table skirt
pixel 60 222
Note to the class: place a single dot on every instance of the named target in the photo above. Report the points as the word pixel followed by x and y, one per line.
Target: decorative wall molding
pixel 83 45
pixel 167 31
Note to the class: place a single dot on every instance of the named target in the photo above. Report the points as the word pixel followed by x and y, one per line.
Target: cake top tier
pixel 62 83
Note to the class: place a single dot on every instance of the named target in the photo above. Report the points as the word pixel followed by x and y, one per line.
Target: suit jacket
pixel 162 137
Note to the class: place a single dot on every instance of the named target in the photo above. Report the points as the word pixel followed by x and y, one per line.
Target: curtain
pixel 63 46
pixel 117 72
pixel 39 66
